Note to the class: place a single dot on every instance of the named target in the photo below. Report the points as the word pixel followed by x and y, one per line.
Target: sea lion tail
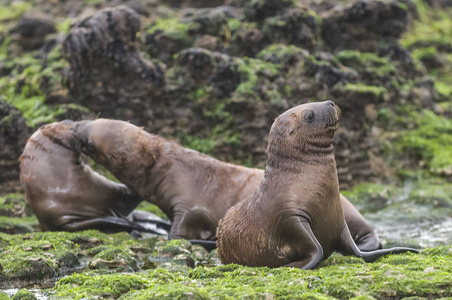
pixel 348 247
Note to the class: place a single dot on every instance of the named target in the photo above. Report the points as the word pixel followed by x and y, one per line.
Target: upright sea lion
pixel 295 217
pixel 66 194
pixel 193 189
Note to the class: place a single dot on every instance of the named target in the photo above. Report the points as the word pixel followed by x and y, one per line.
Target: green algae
pixel 433 27
pixel 431 141
pixel 174 29
pixel 3 296
pixel 79 286
pixel 11 12
pixel 360 92
pixel 24 294
pixel 373 70
pixel 22 88
pixel 252 71
pixel 429 37
pixel 118 257
pixel 18 225
pixel 394 276
pixel 284 54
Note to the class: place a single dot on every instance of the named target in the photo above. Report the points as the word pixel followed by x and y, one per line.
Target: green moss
pixel 174 29
pixel 372 68
pixel 430 37
pixel 433 27
pixel 64 26
pixel 203 145
pixel 198 94
pixel 11 202
pixel 283 53
pixel 394 276
pixel 361 91
pixel 251 70
pixel 24 294
pixel 233 24
pixel 18 225
pixel 12 11
pixel 79 286
pixel 118 258
pixel 431 141
pixel 425 53
pixel 22 88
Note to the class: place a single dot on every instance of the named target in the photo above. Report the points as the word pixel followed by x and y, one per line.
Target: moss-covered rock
pixel 298 26
pixel 13 136
pixel 24 294
pixel 394 276
pixel 119 258
pixel 364 25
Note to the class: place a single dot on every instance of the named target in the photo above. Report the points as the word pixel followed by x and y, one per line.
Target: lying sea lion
pixel 66 194
pixel 295 218
pixel 193 189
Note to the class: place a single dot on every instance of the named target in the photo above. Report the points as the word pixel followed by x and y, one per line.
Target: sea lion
pixel 295 217
pixel 193 189
pixel 66 194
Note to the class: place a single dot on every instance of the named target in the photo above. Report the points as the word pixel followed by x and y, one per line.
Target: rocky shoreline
pixel 212 75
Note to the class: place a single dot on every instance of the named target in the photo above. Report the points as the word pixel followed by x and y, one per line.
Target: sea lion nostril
pixel 330 102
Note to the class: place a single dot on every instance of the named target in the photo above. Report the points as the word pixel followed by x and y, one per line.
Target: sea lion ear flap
pixel 282 127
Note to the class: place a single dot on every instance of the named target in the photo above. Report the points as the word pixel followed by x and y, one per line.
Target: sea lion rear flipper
pixel 208 245
pixel 362 232
pixel 141 216
pixel 111 224
pixel 348 247
pixel 306 245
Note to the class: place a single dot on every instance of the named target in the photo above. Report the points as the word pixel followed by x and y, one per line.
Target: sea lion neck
pixel 312 151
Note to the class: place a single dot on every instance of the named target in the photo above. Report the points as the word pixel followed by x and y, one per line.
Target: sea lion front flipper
pixel 111 224
pixel 306 246
pixel 193 224
pixel 348 247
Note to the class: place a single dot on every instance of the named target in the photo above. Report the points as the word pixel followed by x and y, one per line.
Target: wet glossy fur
pixel 295 218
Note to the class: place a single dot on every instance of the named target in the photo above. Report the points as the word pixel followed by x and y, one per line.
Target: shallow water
pixel 36 292
pixel 425 234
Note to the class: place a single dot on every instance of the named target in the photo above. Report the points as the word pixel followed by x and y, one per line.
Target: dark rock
pixel 298 26
pixel 225 78
pixel 248 42
pixel 107 71
pixel 198 63
pixel 210 21
pixel 14 133
pixel 67 260
pixel 32 30
pixel 258 10
pixel 364 24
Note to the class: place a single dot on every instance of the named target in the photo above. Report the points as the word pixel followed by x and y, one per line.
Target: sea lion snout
pixel 332 114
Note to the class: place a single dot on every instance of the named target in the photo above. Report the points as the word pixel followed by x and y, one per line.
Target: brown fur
pixel 62 190
pixel 295 217
pixel 193 189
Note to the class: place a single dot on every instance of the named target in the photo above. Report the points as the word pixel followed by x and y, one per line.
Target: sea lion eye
pixel 309 116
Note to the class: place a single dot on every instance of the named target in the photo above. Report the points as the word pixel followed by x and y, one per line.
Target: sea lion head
pixel 304 129
pixel 60 133
pixel 97 137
